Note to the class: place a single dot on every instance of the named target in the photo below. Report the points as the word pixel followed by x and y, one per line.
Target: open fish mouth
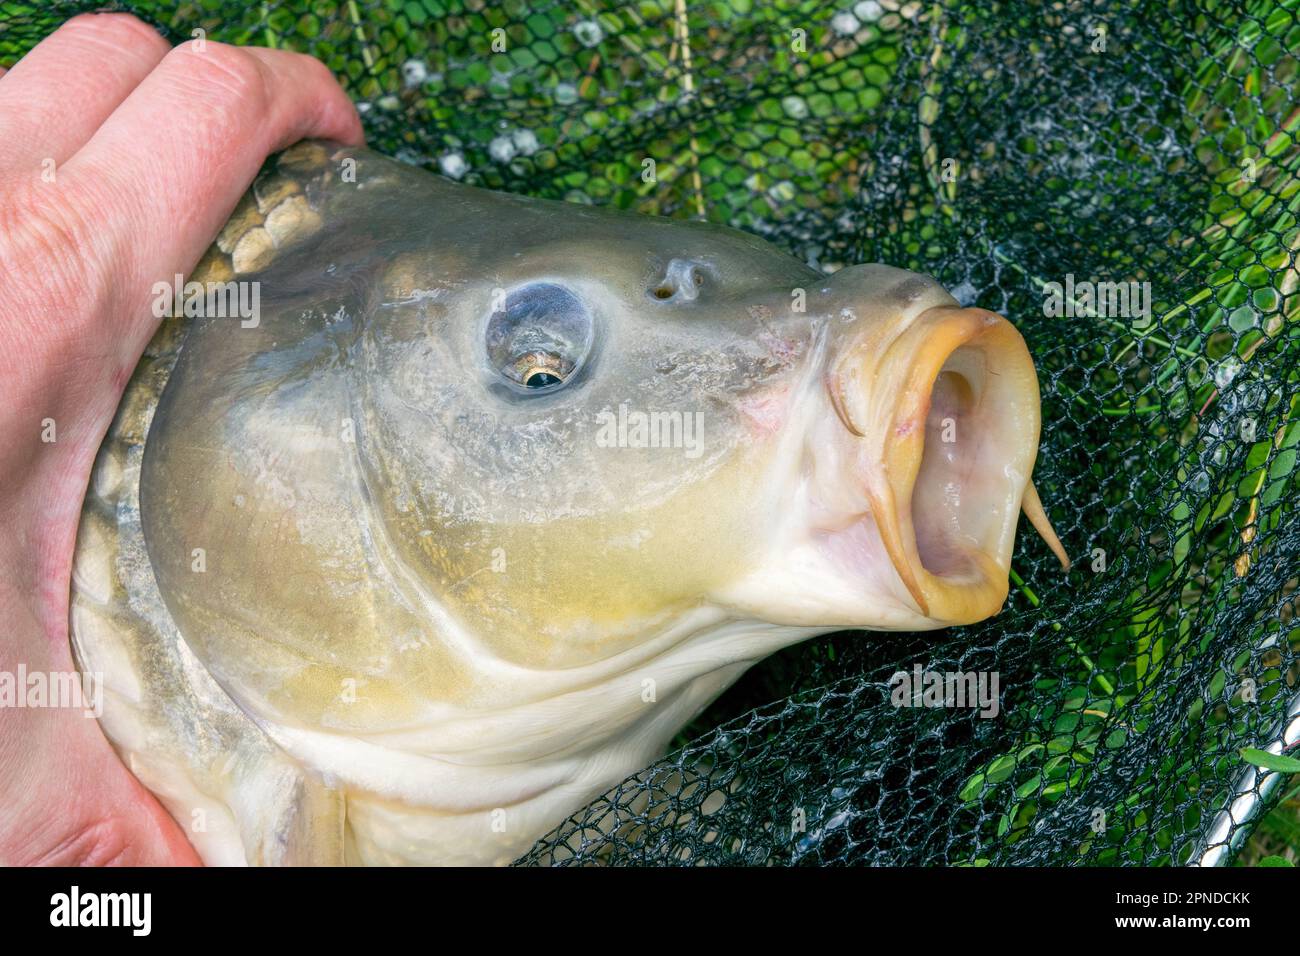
pixel 947 421
pixel 916 467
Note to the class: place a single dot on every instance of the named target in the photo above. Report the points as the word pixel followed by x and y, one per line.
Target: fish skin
pixel 435 612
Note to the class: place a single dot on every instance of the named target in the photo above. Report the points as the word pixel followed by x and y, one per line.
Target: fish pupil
pixel 541 380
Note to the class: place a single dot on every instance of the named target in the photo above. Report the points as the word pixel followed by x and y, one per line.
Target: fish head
pixel 486 468
pixel 611 420
pixel 558 431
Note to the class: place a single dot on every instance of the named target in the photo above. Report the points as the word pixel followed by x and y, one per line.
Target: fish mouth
pixel 941 423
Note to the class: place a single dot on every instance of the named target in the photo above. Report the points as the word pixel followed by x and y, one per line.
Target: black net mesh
pixel 1000 147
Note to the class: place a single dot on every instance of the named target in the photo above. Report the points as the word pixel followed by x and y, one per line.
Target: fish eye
pixel 539 337
pixel 541 370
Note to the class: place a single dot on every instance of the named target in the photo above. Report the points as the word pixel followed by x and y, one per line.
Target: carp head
pixel 499 493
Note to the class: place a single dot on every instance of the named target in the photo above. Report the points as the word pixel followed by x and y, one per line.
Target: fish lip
pixel 880 387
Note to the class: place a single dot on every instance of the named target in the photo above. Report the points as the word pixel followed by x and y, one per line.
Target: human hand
pixel 120 159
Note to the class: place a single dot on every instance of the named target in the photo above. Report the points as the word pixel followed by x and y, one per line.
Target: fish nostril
pixel 682 280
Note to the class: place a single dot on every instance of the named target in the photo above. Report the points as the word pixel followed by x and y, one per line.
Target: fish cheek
pixel 572 589
pixel 257 532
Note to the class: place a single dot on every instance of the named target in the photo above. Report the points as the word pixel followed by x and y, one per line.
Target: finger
pixel 167 168
pixel 67 798
pixel 78 805
pixel 60 93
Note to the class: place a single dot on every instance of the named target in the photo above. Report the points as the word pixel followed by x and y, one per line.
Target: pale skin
pixel 149 148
